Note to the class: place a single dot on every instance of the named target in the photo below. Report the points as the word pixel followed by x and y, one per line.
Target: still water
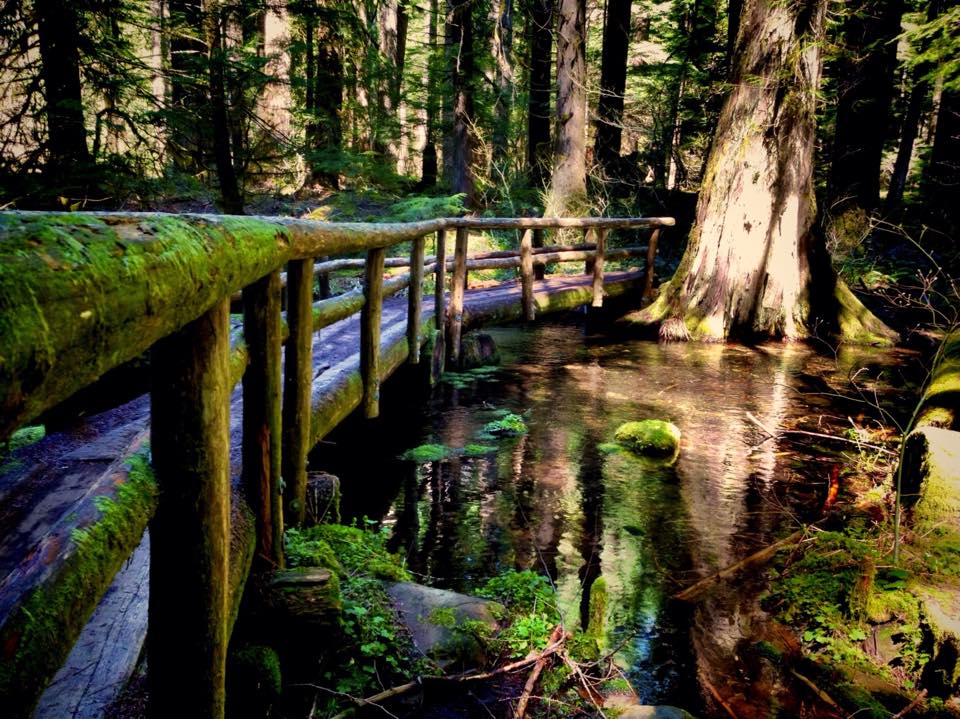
pixel 560 500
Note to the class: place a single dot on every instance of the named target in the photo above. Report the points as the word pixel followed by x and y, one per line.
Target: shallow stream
pixel 562 501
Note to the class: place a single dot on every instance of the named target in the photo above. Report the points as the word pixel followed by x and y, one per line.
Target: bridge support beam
pixel 526 275
pixel 370 332
pixel 415 299
pixel 261 415
pixel 190 431
pixel 598 268
pixel 458 285
pixel 297 389
pixel 439 291
pixel 648 272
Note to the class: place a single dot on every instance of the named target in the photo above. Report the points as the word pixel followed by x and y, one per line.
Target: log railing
pixel 81 293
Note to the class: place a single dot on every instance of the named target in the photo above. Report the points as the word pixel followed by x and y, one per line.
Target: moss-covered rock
pixel 254 681
pixel 653 437
pixel 304 598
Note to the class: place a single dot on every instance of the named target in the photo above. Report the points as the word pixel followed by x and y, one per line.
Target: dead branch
pixel 820 435
pixel 911 706
pixel 694 591
pixel 521 709
pixel 822 695
pixel 716 696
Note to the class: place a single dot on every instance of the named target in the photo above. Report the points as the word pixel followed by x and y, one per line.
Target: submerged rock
pixel 434 616
pixel 653 437
pixel 477 349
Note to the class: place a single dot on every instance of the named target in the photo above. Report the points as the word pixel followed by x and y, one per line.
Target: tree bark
pixel 754 264
pixel 501 48
pixel 568 183
pixel 613 81
pixel 941 182
pixel 393 47
pixel 865 73
pixel 459 47
pixel 540 44
pixel 231 199
pixel 186 140
pixel 57 32
pixel 428 177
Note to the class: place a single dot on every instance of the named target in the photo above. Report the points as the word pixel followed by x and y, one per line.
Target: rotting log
pixel 370 332
pixel 439 290
pixel 297 378
pixel 261 414
pixel 931 481
pixel 190 531
pixel 457 288
pixel 415 299
pixel 598 268
pixel 940 404
pixel 526 275
pixel 648 276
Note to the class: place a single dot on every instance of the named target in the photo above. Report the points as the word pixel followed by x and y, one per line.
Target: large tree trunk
pixel 941 182
pixel 754 264
pixel 613 82
pixel 568 183
pixel 428 177
pixel 231 200
pixel 540 44
pixel 865 73
pixel 393 48
pixel 501 48
pixel 459 46
pixel 58 31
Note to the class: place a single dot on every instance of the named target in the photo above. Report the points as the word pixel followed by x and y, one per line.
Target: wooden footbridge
pixel 215 465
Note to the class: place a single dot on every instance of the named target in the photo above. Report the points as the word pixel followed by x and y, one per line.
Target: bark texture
pixel 568 183
pixel 540 43
pixel 459 47
pixel 754 264
pixel 613 80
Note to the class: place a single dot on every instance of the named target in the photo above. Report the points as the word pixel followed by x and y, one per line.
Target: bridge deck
pixel 49 489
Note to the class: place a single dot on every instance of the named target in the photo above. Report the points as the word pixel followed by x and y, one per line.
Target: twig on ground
pixel 821 435
pixel 535 675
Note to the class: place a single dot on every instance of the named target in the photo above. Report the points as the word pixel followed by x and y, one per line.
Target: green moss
pixel 348 551
pixel 609 447
pixel 39 634
pixel 255 682
pixel 26 436
pixel 427 453
pixel 478 450
pixel 649 436
pixel 512 425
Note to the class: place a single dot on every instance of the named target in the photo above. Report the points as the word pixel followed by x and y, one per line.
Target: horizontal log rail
pixel 82 293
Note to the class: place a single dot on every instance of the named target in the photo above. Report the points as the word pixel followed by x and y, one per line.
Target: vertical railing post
pixel 598 268
pixel 588 237
pixel 190 532
pixel 370 331
pixel 526 275
pixel 648 270
pixel 415 299
pixel 323 281
pixel 439 291
pixel 457 287
pixel 539 271
pixel 297 389
pixel 261 414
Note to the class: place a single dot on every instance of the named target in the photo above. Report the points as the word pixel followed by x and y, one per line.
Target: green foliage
pixel 23 437
pixel 939 45
pixel 532 613
pixel 348 551
pixel 478 450
pixel 427 453
pixel 512 425
pixel 467 378
pixel 421 207
pixel 649 436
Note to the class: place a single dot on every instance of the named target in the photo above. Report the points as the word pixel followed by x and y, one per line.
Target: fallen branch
pixel 716 696
pixel 591 693
pixel 911 706
pixel 822 695
pixel 695 590
pixel 521 709
pixel 858 443
pixel 374 700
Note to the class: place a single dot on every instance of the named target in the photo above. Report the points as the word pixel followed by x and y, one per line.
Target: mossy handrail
pixel 81 293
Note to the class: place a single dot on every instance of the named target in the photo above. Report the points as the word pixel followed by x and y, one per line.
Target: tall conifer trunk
pixel 58 31
pixel 540 44
pixel 613 81
pixel 230 196
pixel 568 183
pixel 459 47
pixel 754 264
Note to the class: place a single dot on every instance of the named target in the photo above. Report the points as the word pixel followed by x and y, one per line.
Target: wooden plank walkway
pixel 51 488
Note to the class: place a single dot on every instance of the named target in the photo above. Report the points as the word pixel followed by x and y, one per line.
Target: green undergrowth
pixel 374 649
pixel 510 425
pixel 857 615
pixel 439 452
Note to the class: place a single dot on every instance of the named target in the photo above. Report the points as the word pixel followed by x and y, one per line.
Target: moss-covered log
pixel 940 404
pixel 931 480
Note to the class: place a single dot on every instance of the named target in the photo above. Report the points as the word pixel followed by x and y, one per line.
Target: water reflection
pixel 558 501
